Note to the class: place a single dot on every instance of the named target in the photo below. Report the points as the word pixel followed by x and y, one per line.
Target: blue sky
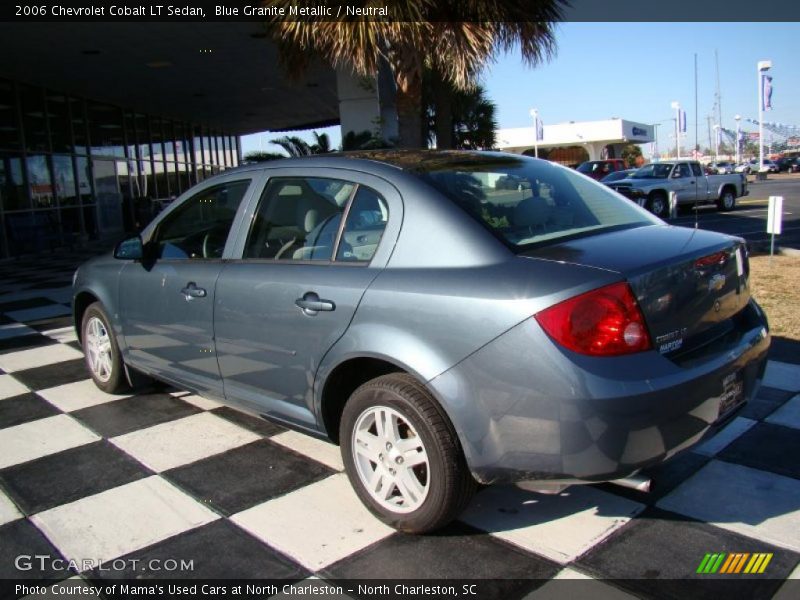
pixel 635 70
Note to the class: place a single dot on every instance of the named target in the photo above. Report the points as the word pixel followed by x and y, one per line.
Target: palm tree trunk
pixel 443 98
pixel 407 67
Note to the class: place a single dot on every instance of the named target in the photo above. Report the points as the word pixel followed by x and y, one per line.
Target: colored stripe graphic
pixel 734 563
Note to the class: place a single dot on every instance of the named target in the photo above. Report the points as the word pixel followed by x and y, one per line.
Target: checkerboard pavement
pixel 167 474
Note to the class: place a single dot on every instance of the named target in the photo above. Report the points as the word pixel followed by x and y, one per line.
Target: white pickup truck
pixel 650 186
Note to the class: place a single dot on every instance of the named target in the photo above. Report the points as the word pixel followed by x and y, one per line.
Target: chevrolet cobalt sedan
pixel 444 330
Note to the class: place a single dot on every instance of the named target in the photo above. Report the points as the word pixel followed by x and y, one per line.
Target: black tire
pixel 116 382
pixel 450 484
pixel 658 205
pixel 727 201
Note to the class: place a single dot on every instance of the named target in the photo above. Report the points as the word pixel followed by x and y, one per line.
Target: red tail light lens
pixel 604 322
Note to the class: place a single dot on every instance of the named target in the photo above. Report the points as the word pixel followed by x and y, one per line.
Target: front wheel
pixel 727 201
pixel 101 351
pixel 658 205
pixel 402 455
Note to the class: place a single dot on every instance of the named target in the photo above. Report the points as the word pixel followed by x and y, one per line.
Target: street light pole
pixel 677 108
pixel 763 65
pixel 716 142
pixel 655 145
pixel 535 116
pixel 738 138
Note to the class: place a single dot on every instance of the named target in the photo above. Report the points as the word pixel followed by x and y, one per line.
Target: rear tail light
pixel 604 322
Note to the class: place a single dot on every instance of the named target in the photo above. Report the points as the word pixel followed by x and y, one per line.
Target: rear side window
pixel 696 169
pixel 301 219
pixel 526 202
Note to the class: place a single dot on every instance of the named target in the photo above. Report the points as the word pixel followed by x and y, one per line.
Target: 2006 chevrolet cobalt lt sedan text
pixel 443 329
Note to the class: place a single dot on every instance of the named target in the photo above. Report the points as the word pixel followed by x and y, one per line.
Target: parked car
pixel 788 164
pixel 442 334
pixel 722 167
pixel 744 167
pixel 617 175
pixel 769 165
pixel 510 182
pixel 597 169
pixel 650 186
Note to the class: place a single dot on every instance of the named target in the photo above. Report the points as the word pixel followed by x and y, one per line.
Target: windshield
pixel 653 171
pixel 547 201
pixel 587 167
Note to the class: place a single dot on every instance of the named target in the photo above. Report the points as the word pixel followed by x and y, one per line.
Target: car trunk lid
pixel 688 282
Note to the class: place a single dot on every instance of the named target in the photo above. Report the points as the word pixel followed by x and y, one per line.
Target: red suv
pixel 597 169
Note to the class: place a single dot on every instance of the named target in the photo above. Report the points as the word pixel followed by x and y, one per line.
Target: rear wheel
pixel 727 201
pixel 402 455
pixel 101 351
pixel 658 205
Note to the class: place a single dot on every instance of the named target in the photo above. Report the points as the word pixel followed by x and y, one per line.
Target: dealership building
pixel 576 141
pixel 101 123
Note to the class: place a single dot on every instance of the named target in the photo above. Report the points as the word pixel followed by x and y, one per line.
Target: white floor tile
pixel 10 387
pixel 781 375
pixel 74 396
pixel 754 503
pixel 183 441
pixel 14 330
pixel 580 586
pixel 200 402
pixel 37 357
pixel 34 439
pixel 787 415
pixel 560 527
pixel 724 437
pixel 62 334
pixel 317 524
pixel 40 312
pixel 325 452
pixel 8 510
pixel 121 520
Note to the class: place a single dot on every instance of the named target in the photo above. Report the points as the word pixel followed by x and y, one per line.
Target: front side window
pixel 199 227
pixel 547 203
pixel 300 218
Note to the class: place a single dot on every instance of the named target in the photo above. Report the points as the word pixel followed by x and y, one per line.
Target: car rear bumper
pixel 526 410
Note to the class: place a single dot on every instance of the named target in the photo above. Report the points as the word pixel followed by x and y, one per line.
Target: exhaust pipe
pixel 635 482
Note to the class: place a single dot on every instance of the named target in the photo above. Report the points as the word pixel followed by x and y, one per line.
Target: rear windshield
pixel 527 202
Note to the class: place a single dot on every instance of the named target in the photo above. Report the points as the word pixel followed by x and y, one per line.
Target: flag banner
pixel 682 121
pixel 539 130
pixel 766 88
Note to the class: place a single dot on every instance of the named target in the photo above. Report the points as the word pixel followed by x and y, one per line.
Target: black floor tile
pixel 21 539
pixel 765 403
pixel 254 424
pixel 456 552
pixel 658 553
pixel 243 477
pixel 767 447
pixel 6 307
pixel 24 408
pixel 42 378
pixel 50 323
pixel 219 550
pixel 69 475
pixel 129 414
pixel 25 342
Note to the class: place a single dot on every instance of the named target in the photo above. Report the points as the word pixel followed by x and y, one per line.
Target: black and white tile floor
pixel 167 474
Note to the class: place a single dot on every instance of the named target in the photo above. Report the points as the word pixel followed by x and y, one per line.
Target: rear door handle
pixel 311 304
pixel 192 291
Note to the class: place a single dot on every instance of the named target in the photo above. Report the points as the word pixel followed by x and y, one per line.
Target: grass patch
pixel 776 287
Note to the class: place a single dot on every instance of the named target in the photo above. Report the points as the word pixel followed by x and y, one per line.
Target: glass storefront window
pixel 60 124
pixel 79 126
pixel 105 130
pixel 9 127
pixel 64 180
pixel 12 187
pixel 40 182
pixel 84 177
pixel 34 118
pixel 184 179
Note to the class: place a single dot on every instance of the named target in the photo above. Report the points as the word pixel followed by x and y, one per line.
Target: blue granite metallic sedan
pixel 444 328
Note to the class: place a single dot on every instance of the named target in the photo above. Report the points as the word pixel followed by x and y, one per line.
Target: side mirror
pixel 131 248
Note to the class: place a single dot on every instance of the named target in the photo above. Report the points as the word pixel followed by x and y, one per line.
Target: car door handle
pixel 192 291
pixel 311 304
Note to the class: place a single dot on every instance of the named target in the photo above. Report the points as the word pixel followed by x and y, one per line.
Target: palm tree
pixel 292 145
pixel 473 120
pixel 322 144
pixel 423 33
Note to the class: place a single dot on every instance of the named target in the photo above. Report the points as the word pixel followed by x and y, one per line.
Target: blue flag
pixel 766 88
pixel 682 121
pixel 539 130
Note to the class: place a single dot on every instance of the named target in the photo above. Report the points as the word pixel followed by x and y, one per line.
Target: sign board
pixel 775 214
